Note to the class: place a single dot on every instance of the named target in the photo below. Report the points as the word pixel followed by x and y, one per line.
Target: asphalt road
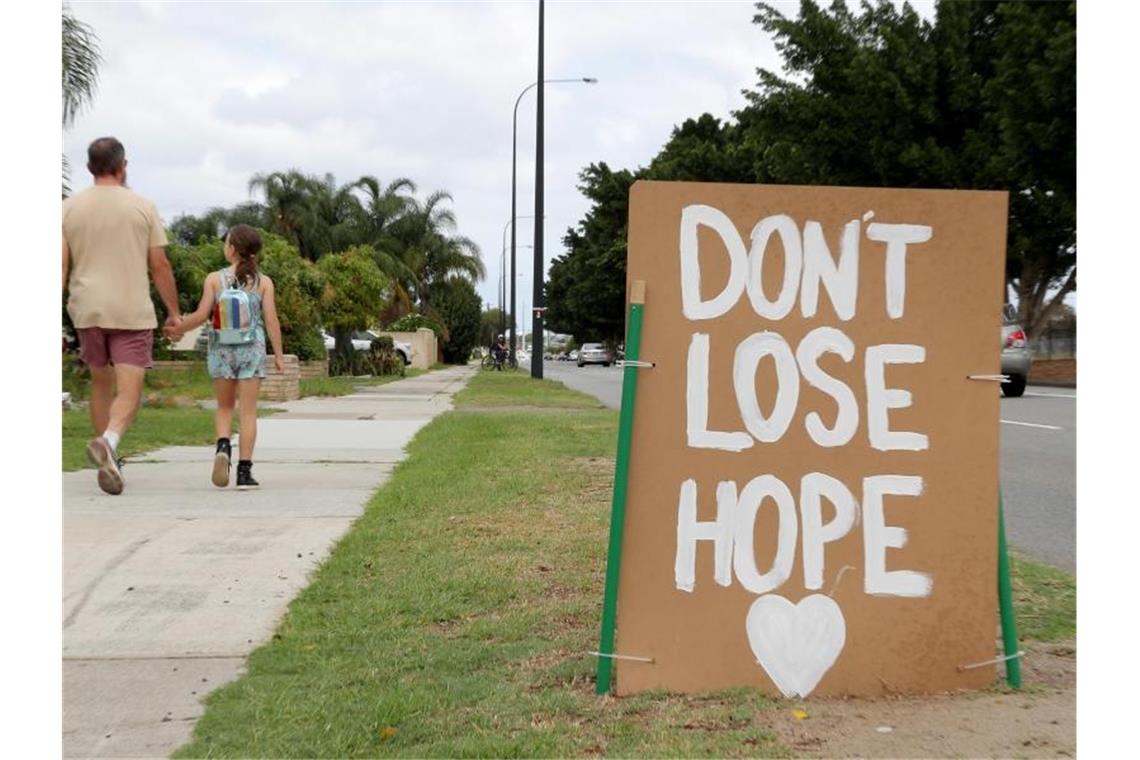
pixel 1038 460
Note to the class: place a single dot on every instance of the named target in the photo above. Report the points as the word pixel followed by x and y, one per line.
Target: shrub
pixel 297 286
pixel 462 311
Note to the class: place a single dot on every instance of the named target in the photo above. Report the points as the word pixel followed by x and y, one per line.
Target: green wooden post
pixel 1005 602
pixel 621 482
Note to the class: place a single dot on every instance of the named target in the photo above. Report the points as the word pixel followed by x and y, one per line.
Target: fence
pixel 1055 344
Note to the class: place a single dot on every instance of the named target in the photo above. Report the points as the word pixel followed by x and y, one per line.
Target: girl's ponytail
pixel 247 244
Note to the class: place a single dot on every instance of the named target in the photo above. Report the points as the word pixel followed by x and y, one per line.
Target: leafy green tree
pixel 191 264
pixel 354 290
pixel 983 98
pixel 703 150
pixel 297 286
pixel 460 307
pixel 491 326
pixel 585 294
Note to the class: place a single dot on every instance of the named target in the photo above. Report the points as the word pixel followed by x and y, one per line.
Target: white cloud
pixel 205 95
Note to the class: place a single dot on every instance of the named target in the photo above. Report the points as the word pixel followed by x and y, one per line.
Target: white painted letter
pixel 748 355
pixel 828 340
pixel 691 304
pixel 689 531
pixel 841 280
pixel 878 537
pixel 793 264
pixel 697 404
pixel 744 553
pixel 897 237
pixel 881 399
pixel 815 533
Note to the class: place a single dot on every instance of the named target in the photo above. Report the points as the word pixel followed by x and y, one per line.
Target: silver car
pixel 594 353
pixel 1016 357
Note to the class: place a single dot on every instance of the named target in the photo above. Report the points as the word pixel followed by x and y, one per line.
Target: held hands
pixel 172 328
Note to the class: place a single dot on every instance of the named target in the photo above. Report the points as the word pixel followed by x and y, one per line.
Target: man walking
pixel 111 238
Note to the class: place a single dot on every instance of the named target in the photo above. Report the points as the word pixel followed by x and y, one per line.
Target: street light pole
pixel 503 274
pixel 514 184
pixel 536 300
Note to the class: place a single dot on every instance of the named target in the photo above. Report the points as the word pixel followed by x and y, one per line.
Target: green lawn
pixel 453 620
pixel 1045 599
pixel 342 386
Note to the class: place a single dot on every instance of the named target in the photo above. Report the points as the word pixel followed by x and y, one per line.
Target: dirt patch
pixel 1038 721
pixel 1058 371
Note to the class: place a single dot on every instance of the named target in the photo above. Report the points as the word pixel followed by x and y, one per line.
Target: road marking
pixel 1050 395
pixel 1032 425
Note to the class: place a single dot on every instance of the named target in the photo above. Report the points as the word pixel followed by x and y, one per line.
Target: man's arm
pixel 163 276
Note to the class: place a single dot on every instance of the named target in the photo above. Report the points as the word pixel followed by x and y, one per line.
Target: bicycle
pixel 492 362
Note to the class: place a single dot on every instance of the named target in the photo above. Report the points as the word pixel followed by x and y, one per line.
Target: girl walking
pixel 238 301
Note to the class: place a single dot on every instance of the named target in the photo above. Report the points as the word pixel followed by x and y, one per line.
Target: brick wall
pixel 311 369
pixel 1054 372
pixel 282 386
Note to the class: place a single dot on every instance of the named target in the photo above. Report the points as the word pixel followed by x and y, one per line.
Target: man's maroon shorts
pixel 99 347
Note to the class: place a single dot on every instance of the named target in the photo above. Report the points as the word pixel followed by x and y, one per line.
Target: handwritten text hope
pixel 808 265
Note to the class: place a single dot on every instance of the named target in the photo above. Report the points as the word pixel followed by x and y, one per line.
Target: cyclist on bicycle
pixel 499 351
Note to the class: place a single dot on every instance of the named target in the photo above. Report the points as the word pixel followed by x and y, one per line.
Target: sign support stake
pixel 1005 602
pixel 621 483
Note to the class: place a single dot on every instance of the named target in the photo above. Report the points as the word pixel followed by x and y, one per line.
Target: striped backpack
pixel 233 316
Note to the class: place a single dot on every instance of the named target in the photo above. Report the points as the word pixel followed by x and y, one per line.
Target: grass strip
pixel 453 618
pixel 1045 600
pixel 343 386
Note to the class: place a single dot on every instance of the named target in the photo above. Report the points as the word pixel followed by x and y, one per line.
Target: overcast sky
pixel 204 95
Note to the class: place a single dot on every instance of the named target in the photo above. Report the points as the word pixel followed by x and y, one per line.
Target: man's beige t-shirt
pixel 110 230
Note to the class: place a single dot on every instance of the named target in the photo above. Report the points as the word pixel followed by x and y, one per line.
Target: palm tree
pixel 429 247
pixel 383 206
pixel 337 214
pixel 288 199
pixel 81 61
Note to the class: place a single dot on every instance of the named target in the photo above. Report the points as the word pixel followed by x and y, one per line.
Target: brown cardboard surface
pixel 698 640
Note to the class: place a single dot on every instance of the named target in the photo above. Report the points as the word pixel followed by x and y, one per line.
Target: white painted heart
pixel 796 643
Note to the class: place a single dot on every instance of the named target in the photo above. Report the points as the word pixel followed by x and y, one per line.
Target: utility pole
pixel 538 301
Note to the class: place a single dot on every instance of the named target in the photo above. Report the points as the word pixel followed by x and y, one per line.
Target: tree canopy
pixel 983 97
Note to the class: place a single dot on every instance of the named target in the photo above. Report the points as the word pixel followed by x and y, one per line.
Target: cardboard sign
pixel 813 483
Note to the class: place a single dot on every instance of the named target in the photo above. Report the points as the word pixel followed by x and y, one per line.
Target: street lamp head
pixel 590 80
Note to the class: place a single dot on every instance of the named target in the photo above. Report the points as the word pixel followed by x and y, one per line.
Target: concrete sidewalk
pixel 169 586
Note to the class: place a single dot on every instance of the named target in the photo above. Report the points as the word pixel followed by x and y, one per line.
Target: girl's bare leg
pixel 247 399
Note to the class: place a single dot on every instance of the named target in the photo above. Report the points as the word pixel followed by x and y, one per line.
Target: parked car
pixel 362 341
pixel 1016 357
pixel 572 356
pixel 564 357
pixel 594 353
